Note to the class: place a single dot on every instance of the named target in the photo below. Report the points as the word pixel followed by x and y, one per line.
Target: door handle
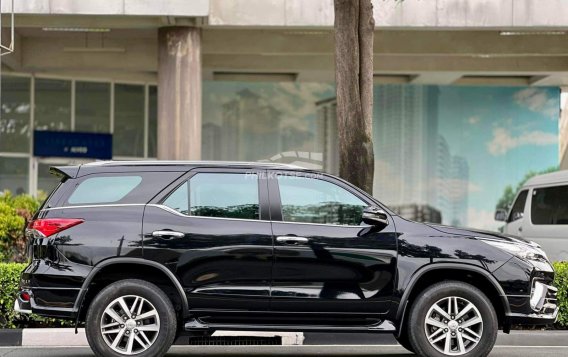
pixel 168 234
pixel 292 240
pixel 520 229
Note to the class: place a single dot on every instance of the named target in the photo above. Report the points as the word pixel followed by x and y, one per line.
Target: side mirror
pixel 375 216
pixel 500 215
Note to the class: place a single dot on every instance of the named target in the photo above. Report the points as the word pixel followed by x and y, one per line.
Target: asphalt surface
pixel 242 351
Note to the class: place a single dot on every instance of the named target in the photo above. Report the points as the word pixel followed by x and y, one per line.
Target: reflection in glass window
pixel 104 189
pixel 52 104
pixel 179 199
pixel 550 205
pixel 15 116
pixel 152 121
pixel 310 200
pixel 224 195
pixel 14 174
pixel 280 122
pixel 92 107
pixel 128 138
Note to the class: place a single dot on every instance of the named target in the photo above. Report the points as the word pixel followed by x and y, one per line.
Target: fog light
pixel 25 296
pixel 538 295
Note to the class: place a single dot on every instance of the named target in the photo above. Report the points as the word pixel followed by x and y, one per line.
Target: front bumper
pixel 532 319
pixel 540 308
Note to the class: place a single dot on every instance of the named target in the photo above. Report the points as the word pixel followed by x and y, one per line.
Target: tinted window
pixel 218 195
pixel 179 199
pixel 518 207
pixel 106 189
pixel 550 205
pixel 310 200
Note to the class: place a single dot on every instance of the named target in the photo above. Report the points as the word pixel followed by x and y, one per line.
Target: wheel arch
pixel 437 272
pixel 137 265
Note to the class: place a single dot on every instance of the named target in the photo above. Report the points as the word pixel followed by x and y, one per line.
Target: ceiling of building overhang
pixel 401 56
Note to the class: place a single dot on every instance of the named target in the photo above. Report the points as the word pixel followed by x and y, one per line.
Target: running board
pixel 196 324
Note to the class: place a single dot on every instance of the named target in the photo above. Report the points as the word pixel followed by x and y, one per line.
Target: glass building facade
pixel 442 153
pixel 126 110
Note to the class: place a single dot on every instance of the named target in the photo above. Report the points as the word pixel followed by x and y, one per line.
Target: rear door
pixel 326 259
pixel 212 229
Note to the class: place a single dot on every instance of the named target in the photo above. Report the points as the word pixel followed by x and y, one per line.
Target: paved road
pixel 247 351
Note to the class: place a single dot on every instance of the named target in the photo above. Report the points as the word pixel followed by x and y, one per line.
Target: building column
pixel 179 93
pixel 563 130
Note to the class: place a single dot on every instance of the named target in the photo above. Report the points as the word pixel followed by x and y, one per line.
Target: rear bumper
pixel 31 306
pixel 53 288
pixel 22 307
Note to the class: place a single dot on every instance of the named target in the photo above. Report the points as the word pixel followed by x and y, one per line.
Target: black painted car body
pixel 231 273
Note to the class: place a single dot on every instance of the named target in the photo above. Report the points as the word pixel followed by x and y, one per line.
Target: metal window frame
pixel 33 162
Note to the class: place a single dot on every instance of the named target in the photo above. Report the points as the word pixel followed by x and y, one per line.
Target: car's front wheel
pixel 452 318
pixel 131 317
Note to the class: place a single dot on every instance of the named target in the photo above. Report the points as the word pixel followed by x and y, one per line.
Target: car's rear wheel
pixel 452 319
pixel 131 317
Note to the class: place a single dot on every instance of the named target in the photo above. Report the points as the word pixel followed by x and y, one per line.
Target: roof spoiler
pixel 64 171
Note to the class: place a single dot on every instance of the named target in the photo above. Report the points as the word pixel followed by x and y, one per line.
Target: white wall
pixel 394 13
pixel 110 7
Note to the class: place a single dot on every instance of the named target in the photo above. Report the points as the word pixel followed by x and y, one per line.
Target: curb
pixel 50 337
pixel 10 337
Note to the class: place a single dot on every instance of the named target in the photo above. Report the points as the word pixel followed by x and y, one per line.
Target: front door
pixel 516 218
pixel 326 259
pixel 212 229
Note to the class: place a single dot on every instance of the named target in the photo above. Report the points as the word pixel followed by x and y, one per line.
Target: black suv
pixel 142 252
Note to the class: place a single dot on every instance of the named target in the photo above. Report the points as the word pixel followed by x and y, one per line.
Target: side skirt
pixel 201 324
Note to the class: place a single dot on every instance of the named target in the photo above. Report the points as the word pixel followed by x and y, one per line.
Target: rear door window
pixel 550 206
pixel 106 189
pixel 221 195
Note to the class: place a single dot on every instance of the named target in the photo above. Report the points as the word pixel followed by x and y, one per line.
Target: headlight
pixel 529 253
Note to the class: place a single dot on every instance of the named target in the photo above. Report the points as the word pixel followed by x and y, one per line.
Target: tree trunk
pixel 354 26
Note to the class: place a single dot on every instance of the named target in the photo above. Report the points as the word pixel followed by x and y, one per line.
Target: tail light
pixel 51 226
pixel 25 296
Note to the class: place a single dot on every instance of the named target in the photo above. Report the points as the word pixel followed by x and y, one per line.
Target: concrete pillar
pixel 563 129
pixel 179 93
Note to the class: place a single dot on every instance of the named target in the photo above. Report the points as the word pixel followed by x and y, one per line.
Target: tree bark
pixel 354 26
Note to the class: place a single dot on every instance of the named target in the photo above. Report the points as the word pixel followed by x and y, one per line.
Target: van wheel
pixel 131 317
pixel 452 318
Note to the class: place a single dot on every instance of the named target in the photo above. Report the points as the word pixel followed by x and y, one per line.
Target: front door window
pixel 309 200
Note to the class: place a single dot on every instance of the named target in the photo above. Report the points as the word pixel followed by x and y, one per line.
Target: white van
pixel 540 213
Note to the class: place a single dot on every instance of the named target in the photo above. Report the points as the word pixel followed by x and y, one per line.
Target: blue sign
pixel 72 144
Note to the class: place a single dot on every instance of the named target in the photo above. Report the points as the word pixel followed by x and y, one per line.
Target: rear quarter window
pixel 104 189
pixel 118 188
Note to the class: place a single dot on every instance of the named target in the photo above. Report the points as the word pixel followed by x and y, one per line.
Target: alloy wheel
pixel 130 325
pixel 453 326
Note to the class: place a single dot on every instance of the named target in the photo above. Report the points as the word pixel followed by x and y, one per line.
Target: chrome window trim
pixel 94 206
pixel 171 210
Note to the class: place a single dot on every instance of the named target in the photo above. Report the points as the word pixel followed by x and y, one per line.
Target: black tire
pixel 404 341
pixel 439 293
pixel 131 287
